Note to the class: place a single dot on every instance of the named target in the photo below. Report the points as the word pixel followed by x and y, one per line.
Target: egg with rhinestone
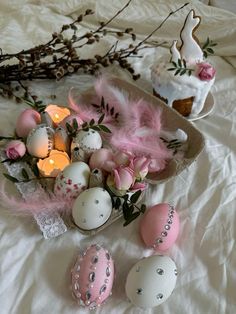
pixel 92 277
pixel 89 141
pixel 40 141
pixel 151 281
pixel 73 180
pixel 92 208
pixel 159 227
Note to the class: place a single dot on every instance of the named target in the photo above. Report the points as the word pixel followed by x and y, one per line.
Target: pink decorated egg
pixel 92 277
pixel 27 121
pixel 159 227
pixel 100 157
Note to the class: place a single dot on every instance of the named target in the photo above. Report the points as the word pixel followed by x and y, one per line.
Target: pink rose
pixel 123 177
pixel 140 166
pixel 205 71
pixel 15 149
pixel 138 186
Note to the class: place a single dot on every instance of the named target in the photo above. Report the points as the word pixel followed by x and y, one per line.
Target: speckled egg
pixel 159 227
pixel 151 281
pixel 40 141
pixel 72 180
pixel 92 277
pixel 27 120
pixel 92 208
pixel 88 141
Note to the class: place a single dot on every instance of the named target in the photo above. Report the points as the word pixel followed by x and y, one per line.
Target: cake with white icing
pixel 184 80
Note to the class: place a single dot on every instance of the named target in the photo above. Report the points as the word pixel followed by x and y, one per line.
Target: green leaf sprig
pixel 105 108
pixel 174 144
pixel 25 177
pixel 130 209
pixel 74 128
pixel 207 47
pixel 180 68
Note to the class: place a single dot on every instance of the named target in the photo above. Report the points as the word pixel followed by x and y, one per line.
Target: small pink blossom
pixel 138 186
pixel 140 166
pixel 205 71
pixel 123 177
pixel 15 149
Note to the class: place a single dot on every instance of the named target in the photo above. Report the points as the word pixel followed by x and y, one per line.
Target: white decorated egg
pixel 89 141
pixel 92 208
pixel 151 281
pixel 40 141
pixel 72 180
pixel 92 277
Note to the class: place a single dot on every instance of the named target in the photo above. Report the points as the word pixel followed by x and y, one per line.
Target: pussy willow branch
pixel 60 56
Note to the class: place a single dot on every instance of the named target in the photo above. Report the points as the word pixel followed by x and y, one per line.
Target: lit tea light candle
pixel 57 113
pixel 53 164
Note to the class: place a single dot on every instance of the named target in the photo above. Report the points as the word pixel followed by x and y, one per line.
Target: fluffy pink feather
pixel 86 113
pixel 46 203
pixel 151 146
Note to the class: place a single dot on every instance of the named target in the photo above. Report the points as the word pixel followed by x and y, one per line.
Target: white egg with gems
pixel 88 141
pixel 92 208
pixel 151 281
pixel 40 141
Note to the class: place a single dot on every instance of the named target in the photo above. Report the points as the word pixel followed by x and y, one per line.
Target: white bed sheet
pixel 35 273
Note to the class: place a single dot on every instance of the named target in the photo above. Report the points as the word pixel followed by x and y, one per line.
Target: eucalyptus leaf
pixel 104 128
pixel 179 63
pixel 184 62
pixel 171 69
pixel 92 122
pixel 143 208
pixel 101 118
pixel 182 72
pixel 95 127
pixel 12 179
pixel 174 63
pixel 177 72
pixel 134 198
pixel 69 127
pixel 75 124
pixel 24 174
pixel 210 50
pixel 117 203
pixel 131 218
pixel 35 170
pixel 102 103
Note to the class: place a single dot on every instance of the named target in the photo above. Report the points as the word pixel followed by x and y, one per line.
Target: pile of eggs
pixel 150 281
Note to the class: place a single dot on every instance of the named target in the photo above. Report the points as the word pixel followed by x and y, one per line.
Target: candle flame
pixel 51 161
pixel 57 116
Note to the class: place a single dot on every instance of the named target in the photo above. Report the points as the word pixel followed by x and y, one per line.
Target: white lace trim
pixel 51 224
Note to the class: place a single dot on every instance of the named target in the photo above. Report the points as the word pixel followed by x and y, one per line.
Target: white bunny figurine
pixel 190 49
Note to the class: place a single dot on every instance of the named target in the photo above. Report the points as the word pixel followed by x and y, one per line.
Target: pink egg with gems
pixel 27 120
pixel 159 227
pixel 100 158
pixel 69 119
pixel 92 277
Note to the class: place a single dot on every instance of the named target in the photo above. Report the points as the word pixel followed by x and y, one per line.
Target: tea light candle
pixel 57 113
pixel 53 164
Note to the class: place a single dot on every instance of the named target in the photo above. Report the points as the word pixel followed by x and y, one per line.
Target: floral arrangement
pixel 112 143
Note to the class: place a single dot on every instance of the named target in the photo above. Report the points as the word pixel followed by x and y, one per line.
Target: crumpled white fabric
pixel 35 273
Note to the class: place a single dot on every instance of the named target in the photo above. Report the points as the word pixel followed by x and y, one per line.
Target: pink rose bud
pixel 122 158
pixel 205 71
pixel 138 186
pixel 123 177
pixel 15 149
pixel 140 166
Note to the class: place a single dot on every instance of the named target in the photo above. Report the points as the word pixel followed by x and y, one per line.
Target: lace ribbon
pixel 51 224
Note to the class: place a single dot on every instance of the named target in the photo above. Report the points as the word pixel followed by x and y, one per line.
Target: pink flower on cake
pixel 15 149
pixel 205 71
pixel 123 177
